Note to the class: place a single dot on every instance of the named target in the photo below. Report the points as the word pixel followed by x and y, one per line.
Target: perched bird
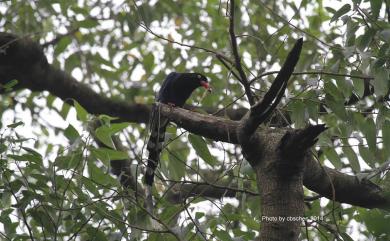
pixel 175 90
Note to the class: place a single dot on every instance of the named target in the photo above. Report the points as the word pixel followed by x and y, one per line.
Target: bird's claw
pixel 171 105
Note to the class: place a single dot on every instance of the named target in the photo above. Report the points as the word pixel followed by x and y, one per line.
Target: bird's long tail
pixel 158 126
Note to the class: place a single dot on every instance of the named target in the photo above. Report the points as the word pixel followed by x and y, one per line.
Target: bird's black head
pixel 203 81
pixel 199 80
pixel 177 87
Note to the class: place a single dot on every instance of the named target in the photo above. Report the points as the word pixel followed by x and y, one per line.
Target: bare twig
pixel 22 211
pixel 312 73
pixel 198 228
pixel 237 59
pixel 230 68
pixel 216 53
pixel 297 28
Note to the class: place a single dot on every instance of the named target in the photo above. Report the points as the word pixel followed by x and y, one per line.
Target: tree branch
pixel 348 189
pixel 237 59
pixel 297 142
pixel 262 110
pixel 227 66
pixel 181 190
pixel 23 60
pixel 215 128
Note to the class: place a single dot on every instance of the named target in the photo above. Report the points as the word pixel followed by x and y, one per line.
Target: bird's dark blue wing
pixel 167 88
pixel 175 89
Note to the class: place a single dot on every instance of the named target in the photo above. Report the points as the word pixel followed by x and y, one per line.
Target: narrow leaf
pixel 103 133
pixel 81 112
pixel 14 125
pixel 200 146
pixel 343 10
pixel 71 133
pixel 381 82
pixel 352 158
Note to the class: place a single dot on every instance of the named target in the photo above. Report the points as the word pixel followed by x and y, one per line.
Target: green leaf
pixel 62 44
pixel 64 110
pixel 90 186
pixel 117 127
pixel 98 175
pixel 222 235
pixel 175 164
pixel 9 85
pixel 148 62
pixel 331 10
pixel 33 152
pixel 337 107
pixel 14 125
pixel 366 38
pixel 386 137
pixel 298 113
pixel 385 34
pixel 352 27
pixel 367 156
pixel 42 218
pixel 381 81
pixel 103 133
pixel 3 148
pixel 375 8
pixel 251 223
pixel 26 157
pixel 71 133
pixel 368 128
pixel 16 185
pixel 88 23
pixel 376 221
pixel 169 211
pixel 352 158
pixel 200 146
pixel 343 10
pixel 106 155
pixel 331 89
pixel 358 84
pixel 69 162
pixel 346 85
pixel 333 157
pixel 81 112
pixel 106 119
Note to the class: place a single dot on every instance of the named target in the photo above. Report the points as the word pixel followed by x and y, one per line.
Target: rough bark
pixel 280 183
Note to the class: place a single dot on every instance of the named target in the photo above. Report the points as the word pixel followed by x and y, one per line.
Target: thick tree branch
pixel 297 142
pixel 262 110
pixel 348 189
pixel 23 60
pixel 215 128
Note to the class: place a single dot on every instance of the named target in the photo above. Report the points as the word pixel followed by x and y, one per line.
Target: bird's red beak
pixel 206 85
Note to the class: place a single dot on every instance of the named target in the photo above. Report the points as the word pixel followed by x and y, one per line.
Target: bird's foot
pixel 171 105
